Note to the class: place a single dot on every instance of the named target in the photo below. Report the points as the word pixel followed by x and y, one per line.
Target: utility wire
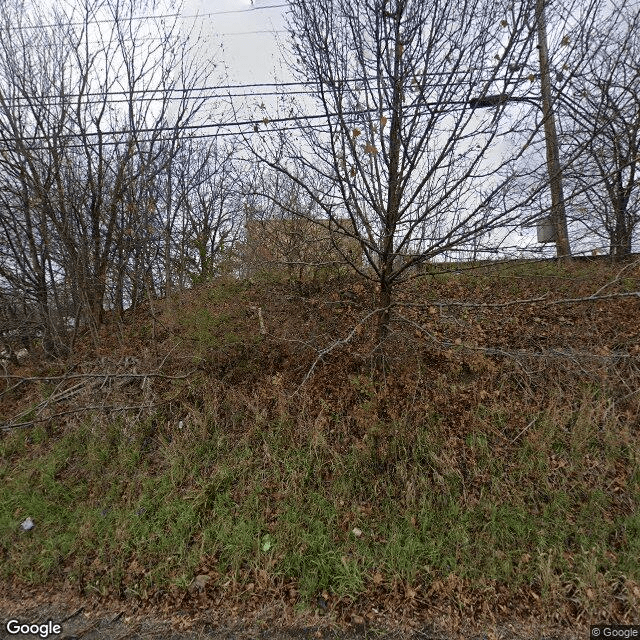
pixel 195 16
pixel 250 33
pixel 260 127
pixel 50 102
pixel 200 136
pixel 139 39
pixel 256 123
pixel 150 95
pixel 299 83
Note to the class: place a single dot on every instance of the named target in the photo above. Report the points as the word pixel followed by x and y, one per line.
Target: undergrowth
pixel 464 478
pixel 126 508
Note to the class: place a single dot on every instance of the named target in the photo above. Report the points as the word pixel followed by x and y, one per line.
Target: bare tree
pixel 403 148
pixel 207 202
pixel 94 104
pixel 601 115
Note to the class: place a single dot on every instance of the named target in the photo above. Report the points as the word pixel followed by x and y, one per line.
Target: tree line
pixel 433 135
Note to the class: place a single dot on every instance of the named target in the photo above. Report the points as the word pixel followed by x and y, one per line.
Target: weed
pixel 457 481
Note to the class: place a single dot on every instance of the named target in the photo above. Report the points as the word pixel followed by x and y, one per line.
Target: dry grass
pixel 495 468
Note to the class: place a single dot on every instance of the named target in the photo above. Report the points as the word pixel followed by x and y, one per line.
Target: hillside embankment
pixel 235 448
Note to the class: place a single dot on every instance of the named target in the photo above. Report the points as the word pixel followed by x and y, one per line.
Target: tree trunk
pixel 393 193
pixel 384 302
pixel 621 245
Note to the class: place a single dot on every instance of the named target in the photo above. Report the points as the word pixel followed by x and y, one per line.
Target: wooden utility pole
pixel 558 213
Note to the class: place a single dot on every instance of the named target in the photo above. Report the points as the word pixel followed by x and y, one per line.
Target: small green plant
pixel 319 491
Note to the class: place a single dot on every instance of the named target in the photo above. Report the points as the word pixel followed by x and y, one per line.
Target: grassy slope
pixel 477 481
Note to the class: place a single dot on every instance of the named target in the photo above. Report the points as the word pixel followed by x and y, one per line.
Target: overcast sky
pixel 246 35
pixel 246 32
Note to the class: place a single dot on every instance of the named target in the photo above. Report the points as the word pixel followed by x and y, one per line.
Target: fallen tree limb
pixel 511 303
pixel 97 375
pixel 107 408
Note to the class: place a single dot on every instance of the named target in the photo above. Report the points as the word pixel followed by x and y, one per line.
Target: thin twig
pixel 98 375
pixel 618 275
pixel 531 423
pixel 327 350
pixel 109 408
pixel 520 353
pixel 511 303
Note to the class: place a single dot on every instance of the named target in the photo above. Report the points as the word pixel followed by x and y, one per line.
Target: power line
pixel 265 120
pixel 50 102
pixel 196 16
pixel 250 33
pixel 252 9
pixel 196 93
pixel 256 123
pixel 188 89
pixel 459 105
pixel 298 83
pixel 194 127
pixel 199 136
pixel 221 34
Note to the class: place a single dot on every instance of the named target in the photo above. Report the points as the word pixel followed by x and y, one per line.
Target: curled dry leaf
pixel 370 148
pixel 200 581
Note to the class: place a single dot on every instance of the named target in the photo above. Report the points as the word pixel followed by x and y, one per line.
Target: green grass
pixel 109 497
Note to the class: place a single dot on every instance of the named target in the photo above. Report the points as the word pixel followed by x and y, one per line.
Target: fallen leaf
pixel 200 581
pixel 266 542
pixel 370 149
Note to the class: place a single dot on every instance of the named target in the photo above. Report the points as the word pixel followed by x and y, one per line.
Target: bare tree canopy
pixel 415 142
pixel 96 112
pixel 601 115
pixel 403 149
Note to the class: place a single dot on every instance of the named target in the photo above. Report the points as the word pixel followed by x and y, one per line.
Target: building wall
pixel 299 246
